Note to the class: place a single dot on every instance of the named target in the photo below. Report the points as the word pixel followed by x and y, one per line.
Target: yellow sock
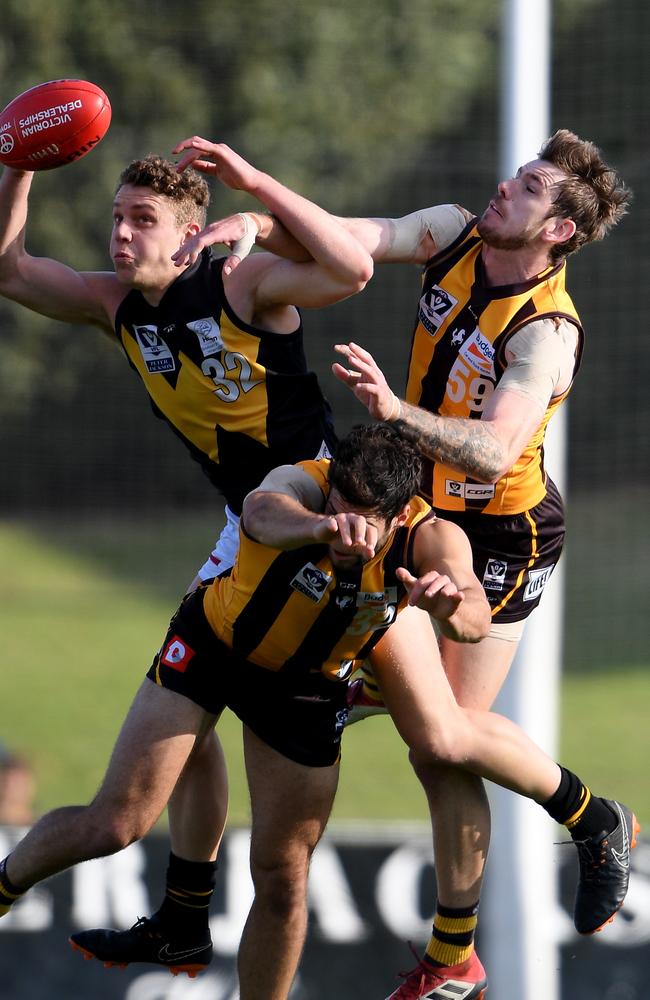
pixel 452 941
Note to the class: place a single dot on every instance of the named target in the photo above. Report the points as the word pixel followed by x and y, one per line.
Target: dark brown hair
pixel 592 195
pixel 374 467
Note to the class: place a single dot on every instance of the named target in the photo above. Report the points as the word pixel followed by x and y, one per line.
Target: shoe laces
pixel 144 925
pixel 592 855
pixel 414 977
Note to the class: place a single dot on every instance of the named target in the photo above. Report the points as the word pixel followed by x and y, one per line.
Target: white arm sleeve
pixel 442 222
pixel 541 359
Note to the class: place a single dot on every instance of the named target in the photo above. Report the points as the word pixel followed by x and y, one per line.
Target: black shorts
pixel 302 717
pixel 514 556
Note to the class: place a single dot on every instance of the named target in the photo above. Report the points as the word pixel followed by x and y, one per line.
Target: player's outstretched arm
pixel 328 243
pixel 444 584
pixel 44 285
pixel 240 233
pixel 485 449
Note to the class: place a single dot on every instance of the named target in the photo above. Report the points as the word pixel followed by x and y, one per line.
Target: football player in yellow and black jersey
pixel 334 557
pixel 496 346
pixel 218 350
pixel 329 556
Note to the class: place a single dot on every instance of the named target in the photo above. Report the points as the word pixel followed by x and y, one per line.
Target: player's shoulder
pixel 442 536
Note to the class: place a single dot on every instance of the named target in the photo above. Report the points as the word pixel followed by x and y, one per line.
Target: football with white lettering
pixel 53 124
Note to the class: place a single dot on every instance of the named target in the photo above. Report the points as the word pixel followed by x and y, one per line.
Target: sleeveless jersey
pixel 458 357
pixel 240 398
pixel 294 611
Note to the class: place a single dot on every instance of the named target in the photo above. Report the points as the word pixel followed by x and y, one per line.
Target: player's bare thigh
pixel 290 803
pixel 477 671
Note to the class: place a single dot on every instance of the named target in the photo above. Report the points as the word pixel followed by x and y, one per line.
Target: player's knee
pixel 281 883
pixel 110 830
pixel 442 748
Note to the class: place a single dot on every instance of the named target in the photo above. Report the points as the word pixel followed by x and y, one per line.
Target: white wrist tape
pixel 396 410
pixel 243 246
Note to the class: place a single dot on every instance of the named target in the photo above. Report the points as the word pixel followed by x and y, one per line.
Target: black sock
pixel 188 893
pixel 583 814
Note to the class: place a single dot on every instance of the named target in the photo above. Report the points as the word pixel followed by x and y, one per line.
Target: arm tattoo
pixel 469 446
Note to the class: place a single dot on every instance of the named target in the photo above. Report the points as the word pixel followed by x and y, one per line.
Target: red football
pixel 53 124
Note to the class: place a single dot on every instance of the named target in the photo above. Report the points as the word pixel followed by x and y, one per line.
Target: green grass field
pixel 84 606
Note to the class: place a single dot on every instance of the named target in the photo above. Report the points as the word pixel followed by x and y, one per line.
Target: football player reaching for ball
pixel 145 226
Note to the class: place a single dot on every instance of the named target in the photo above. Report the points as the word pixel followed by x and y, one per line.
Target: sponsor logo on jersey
pixel 478 352
pixel 537 580
pixel 155 352
pixel 377 599
pixel 435 305
pixel 177 654
pixel 311 582
pixel 494 576
pixel 209 334
pixel 469 491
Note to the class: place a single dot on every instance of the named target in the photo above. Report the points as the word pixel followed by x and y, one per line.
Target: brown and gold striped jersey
pixel 294 611
pixel 458 357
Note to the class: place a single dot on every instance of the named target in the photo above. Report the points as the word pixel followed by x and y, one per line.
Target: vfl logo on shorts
pixel 494 577
pixel 311 582
pixel 177 654
pixel 155 353
pixel 209 334
pixel 537 580
pixel 435 305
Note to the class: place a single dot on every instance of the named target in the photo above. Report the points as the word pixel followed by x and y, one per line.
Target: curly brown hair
pixel 374 467
pixel 187 191
pixel 593 194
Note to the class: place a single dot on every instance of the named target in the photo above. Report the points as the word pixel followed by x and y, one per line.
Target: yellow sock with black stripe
pixel 371 690
pixel 9 892
pixel 452 941
pixel 583 814
pixel 188 893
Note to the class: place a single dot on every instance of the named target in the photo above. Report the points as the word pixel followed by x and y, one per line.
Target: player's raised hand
pixel 219 160
pixel 364 377
pixel 237 232
pixel 433 592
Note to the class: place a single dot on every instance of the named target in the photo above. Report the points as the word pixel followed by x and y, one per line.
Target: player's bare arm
pixel 328 242
pixel 47 286
pixel 282 522
pixel 240 233
pixel 446 585
pixel 412 239
pixel 484 449
pixel 290 510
